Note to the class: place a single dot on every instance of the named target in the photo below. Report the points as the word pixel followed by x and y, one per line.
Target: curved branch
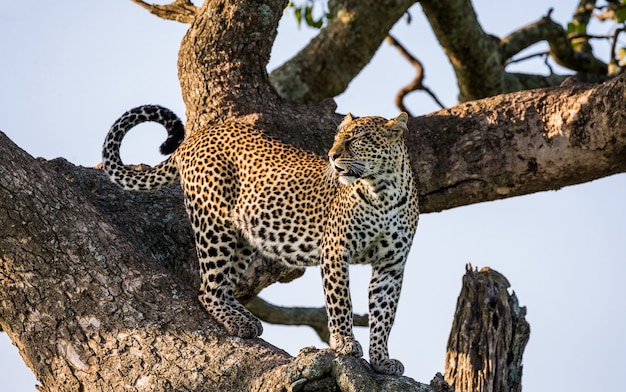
pixel 418 81
pixel 562 48
pixel 223 59
pixel 180 10
pixel 325 67
pixel 59 251
pixel 315 318
pixel 527 36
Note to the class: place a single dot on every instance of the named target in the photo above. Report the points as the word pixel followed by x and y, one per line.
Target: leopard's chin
pixel 346 179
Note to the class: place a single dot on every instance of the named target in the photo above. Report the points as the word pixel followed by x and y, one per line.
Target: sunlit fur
pixel 249 194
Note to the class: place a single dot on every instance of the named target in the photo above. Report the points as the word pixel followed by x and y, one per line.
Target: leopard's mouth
pixel 345 171
pixel 350 173
pixel 346 174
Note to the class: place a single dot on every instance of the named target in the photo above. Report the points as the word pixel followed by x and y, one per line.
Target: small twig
pixel 546 62
pixel 614 43
pixel 417 83
pixel 588 36
pixel 545 55
pixel 315 318
pixel 180 10
pixel 530 56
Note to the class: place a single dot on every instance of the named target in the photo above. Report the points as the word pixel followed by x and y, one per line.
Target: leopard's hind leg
pixel 223 256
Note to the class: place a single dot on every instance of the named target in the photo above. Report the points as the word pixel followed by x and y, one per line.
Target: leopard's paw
pixel 236 320
pixel 242 327
pixel 345 345
pixel 388 366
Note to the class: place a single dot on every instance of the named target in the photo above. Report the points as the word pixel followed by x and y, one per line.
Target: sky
pixel 69 68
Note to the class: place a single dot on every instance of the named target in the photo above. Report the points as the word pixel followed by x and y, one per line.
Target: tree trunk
pixel 488 336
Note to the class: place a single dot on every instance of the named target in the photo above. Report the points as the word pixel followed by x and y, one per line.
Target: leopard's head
pixel 367 147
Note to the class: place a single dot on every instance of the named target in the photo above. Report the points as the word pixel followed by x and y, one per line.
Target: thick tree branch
pixel 527 36
pixel 561 48
pixel 325 67
pixel 81 291
pixel 519 143
pixel 563 52
pixel 590 68
pixel 180 10
pixel 59 253
pixel 222 63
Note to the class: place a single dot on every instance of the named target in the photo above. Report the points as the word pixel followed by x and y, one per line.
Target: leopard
pixel 248 194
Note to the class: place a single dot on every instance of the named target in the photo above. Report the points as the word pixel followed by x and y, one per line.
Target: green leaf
pixel 576 28
pixel 304 13
pixel 298 13
pixel 308 16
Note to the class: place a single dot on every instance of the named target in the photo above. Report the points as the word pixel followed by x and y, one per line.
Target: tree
pixel 65 215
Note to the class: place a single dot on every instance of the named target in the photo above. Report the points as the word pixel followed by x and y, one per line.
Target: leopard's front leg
pixel 339 304
pixel 384 293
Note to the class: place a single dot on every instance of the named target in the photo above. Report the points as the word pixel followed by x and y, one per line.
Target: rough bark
pixel 354 31
pixel 506 146
pixel 519 143
pixel 488 337
pixel 222 60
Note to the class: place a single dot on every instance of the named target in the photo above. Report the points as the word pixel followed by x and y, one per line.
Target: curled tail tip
pixel 175 137
pixel 164 116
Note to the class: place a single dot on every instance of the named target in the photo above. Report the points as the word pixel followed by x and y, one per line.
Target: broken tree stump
pixel 488 336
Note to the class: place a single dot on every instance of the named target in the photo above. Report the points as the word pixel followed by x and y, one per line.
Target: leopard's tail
pixel 142 180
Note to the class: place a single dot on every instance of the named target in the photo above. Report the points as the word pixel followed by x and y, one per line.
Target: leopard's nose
pixel 333 155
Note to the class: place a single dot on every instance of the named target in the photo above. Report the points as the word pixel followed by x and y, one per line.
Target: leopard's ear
pixel 397 126
pixel 346 120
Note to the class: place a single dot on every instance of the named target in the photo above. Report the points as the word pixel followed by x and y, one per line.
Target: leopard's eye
pixel 347 143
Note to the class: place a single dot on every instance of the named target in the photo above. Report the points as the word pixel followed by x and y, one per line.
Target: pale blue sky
pixel 70 68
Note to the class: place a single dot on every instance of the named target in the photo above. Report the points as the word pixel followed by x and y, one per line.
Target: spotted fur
pixel 247 193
